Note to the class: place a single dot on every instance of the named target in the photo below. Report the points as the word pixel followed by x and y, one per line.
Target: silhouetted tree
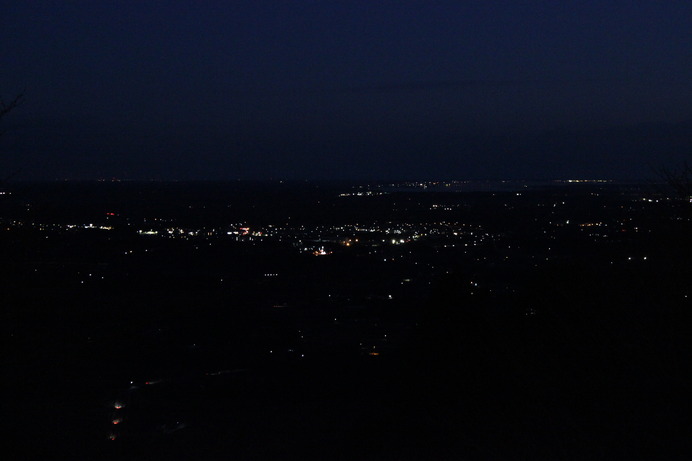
pixel 9 106
pixel 678 179
pixel 6 108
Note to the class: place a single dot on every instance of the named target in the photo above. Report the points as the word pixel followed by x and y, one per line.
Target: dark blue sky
pixel 346 89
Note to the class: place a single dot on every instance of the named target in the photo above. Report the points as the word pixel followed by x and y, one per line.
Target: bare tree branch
pixel 678 179
pixel 7 107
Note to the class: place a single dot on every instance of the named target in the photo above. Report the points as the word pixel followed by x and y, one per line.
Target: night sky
pixel 345 89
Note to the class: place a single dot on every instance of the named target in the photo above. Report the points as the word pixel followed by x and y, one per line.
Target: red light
pixel 110 214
